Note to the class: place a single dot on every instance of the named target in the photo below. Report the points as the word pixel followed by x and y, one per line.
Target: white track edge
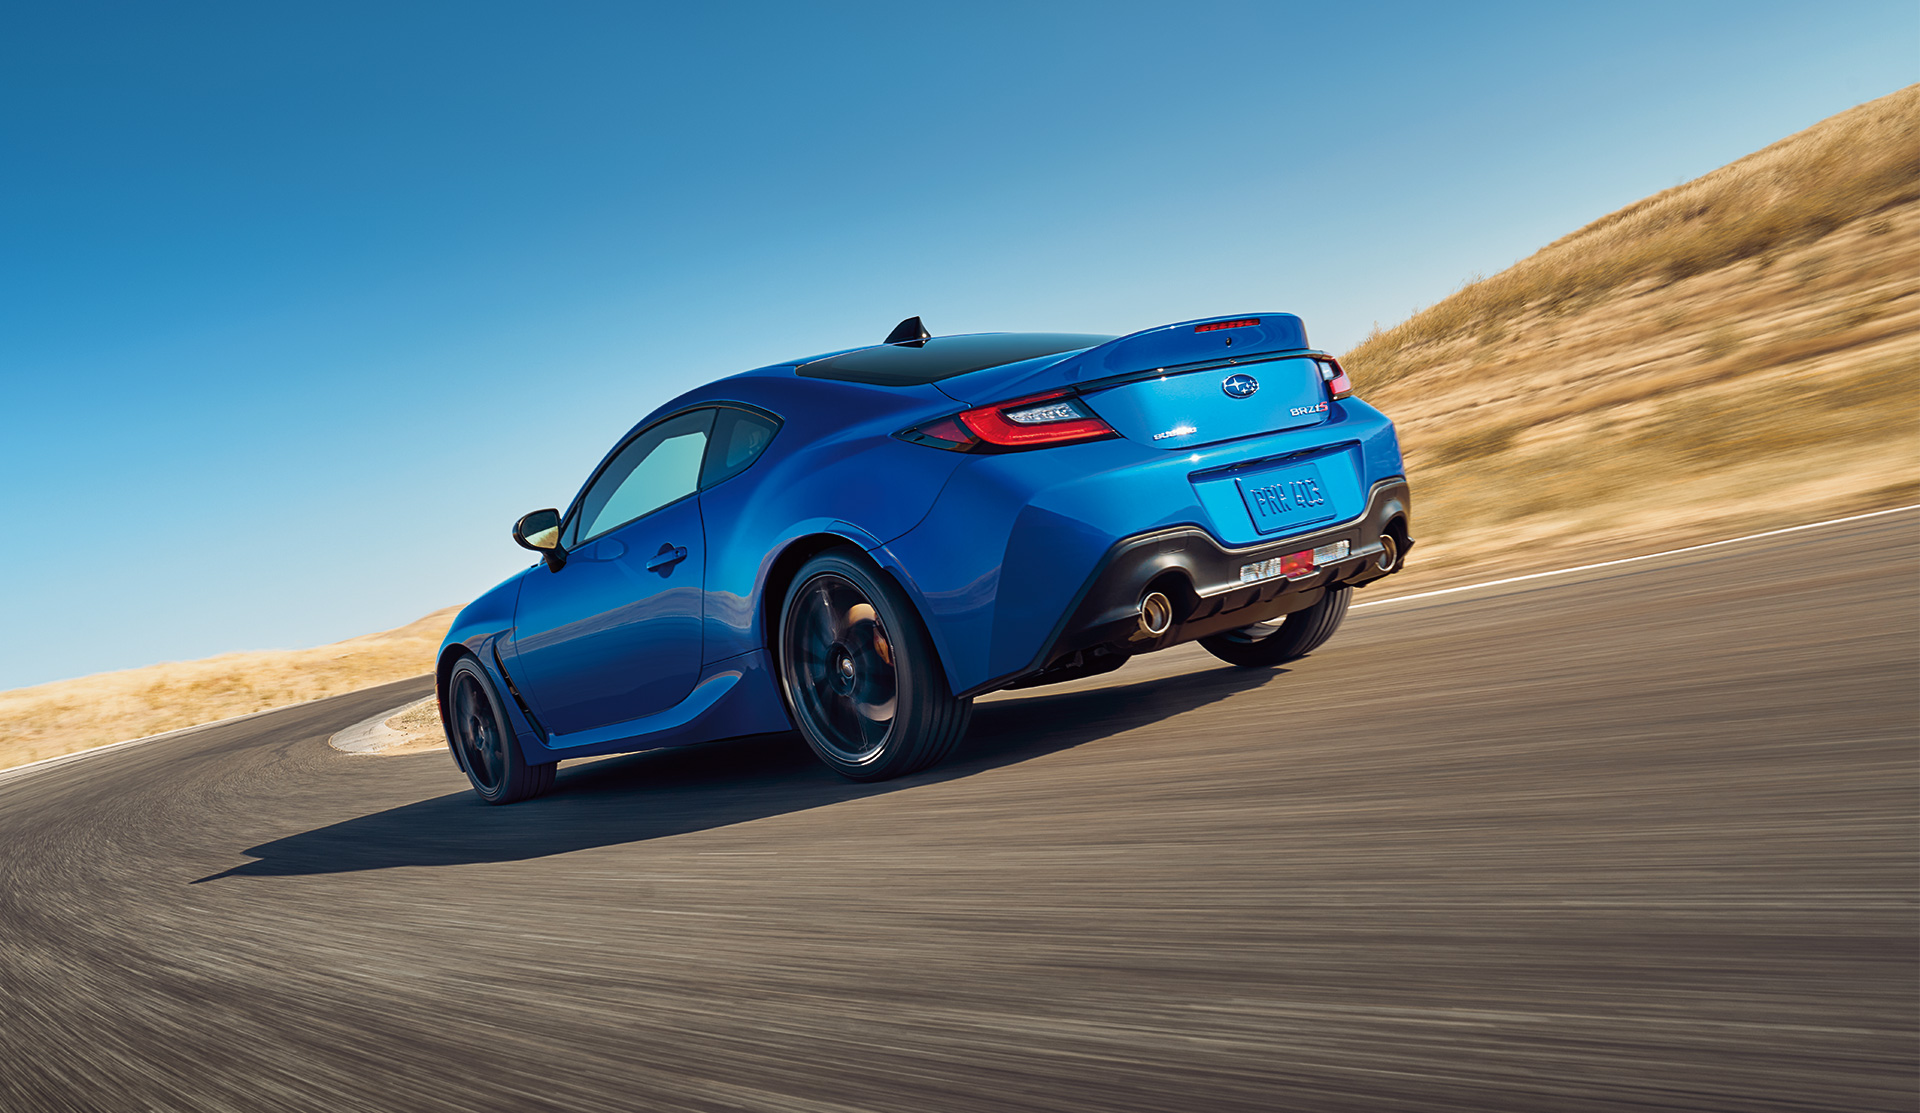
pixel 1634 559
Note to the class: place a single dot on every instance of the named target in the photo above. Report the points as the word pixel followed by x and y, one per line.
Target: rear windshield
pixel 943 357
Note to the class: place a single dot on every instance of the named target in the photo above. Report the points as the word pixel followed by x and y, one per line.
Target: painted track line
pixel 1634 559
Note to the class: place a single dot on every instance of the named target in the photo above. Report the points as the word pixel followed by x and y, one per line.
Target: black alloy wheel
pixel 484 744
pixel 859 673
pixel 1266 644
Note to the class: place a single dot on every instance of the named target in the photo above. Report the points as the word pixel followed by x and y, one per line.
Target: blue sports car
pixel 856 545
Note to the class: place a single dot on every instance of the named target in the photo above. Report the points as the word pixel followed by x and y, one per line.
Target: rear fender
pixel 1013 511
pixel 862 492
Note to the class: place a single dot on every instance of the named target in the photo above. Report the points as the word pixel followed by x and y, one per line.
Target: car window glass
pixel 657 467
pixel 739 437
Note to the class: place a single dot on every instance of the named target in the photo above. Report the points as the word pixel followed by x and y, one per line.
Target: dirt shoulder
pixel 66 716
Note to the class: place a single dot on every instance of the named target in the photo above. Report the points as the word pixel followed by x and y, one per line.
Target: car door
pixel 615 633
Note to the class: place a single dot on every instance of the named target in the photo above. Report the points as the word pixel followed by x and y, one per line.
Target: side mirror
pixel 540 531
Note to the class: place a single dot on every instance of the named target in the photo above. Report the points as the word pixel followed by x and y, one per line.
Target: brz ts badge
pixel 1301 410
pixel 1240 386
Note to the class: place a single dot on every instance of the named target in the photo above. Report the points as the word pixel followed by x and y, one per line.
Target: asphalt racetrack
pixel 1638 838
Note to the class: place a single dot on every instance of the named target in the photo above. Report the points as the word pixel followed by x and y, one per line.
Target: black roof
pixel 942 357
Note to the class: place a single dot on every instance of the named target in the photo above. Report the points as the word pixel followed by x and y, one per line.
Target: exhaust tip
pixel 1389 558
pixel 1156 614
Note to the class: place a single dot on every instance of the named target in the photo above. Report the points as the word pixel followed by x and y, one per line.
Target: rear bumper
pixel 1213 587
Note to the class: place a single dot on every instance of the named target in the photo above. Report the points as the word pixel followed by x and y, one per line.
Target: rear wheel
pixel 860 675
pixel 485 744
pixel 1266 644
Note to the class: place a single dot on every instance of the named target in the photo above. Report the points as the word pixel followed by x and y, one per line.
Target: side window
pixel 739 437
pixel 659 466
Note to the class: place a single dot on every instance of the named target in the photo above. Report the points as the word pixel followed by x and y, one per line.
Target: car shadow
pixel 659 793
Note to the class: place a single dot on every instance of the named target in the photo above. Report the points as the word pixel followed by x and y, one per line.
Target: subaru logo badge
pixel 1240 386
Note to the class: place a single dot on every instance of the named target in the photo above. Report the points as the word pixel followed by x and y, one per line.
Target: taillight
pixel 1336 379
pixel 1041 421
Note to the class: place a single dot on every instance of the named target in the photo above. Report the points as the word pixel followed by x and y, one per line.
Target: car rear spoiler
pixel 1187 345
pixel 1209 340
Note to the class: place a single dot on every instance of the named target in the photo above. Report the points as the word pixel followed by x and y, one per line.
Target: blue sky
pixel 302 305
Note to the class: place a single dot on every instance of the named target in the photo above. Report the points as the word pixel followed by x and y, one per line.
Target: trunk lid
pixel 1179 411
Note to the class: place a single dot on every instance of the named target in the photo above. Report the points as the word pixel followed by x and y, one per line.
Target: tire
pixel 1264 645
pixel 860 675
pixel 484 743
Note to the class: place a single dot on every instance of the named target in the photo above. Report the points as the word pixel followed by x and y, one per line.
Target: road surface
pixel 1640 838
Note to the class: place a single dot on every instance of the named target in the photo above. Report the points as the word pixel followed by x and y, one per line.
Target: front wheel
pixel 860 675
pixel 484 743
pixel 1266 644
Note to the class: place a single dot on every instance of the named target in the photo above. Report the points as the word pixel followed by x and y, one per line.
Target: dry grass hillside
pixel 1735 353
pixel 52 719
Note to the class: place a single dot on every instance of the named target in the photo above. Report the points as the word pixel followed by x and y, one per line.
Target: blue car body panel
pixel 607 655
pixel 834 470
pixel 991 604
pixel 609 639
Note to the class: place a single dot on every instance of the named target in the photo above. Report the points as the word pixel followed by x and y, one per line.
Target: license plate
pixel 1286 498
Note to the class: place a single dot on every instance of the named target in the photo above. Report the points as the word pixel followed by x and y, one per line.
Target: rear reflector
pixel 1293 566
pixel 1218 325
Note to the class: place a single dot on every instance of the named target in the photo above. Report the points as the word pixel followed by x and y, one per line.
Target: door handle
pixel 668 557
